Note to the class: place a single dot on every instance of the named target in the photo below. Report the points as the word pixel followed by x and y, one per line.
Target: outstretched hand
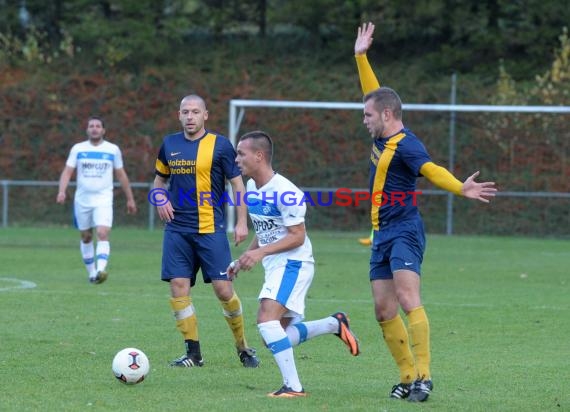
pixel 364 38
pixel 478 191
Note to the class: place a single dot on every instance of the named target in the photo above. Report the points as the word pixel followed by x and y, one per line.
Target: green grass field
pixel 499 310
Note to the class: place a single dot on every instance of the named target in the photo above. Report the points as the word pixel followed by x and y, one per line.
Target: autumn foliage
pixel 44 110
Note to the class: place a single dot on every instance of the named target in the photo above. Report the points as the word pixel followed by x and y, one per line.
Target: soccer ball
pixel 130 366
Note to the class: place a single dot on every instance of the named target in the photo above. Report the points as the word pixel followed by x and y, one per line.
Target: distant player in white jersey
pixel 95 160
pixel 277 211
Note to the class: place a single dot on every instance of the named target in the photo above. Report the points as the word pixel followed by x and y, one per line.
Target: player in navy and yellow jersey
pixel 196 163
pixel 398 158
pixel 198 199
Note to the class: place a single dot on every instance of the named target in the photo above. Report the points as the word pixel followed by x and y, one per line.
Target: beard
pixel 377 132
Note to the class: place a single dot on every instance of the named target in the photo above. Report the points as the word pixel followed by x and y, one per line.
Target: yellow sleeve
pixel 442 178
pixel 368 80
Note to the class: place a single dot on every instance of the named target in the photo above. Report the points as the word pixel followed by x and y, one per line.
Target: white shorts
pixel 87 217
pixel 289 285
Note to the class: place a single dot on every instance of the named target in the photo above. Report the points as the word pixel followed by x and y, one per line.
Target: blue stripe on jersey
pixel 257 206
pixel 289 279
pixel 302 331
pixel 95 155
pixel 279 346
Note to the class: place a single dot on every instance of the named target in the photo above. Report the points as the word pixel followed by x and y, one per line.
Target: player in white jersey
pixel 277 211
pixel 95 161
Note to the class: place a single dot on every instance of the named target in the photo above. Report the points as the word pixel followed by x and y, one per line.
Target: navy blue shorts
pixel 184 253
pixel 397 246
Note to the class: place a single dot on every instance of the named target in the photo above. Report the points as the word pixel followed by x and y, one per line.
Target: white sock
pixel 279 345
pixel 88 255
pixel 302 331
pixel 103 251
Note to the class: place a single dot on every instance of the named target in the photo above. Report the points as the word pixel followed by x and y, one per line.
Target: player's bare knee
pixel 179 287
pixel 408 296
pixel 223 289
pixel 86 236
pixel 385 311
pixel 103 234
pixel 409 302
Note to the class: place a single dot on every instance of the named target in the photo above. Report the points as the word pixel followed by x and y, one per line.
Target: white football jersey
pixel 95 171
pixel 273 207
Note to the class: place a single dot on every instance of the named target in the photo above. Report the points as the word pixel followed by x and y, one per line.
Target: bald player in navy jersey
pixel 189 190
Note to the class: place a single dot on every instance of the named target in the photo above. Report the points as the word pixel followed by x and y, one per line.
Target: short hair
pixel 96 118
pixel 386 98
pixel 260 141
pixel 194 97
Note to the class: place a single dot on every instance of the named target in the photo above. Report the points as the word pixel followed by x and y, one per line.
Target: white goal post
pixel 239 106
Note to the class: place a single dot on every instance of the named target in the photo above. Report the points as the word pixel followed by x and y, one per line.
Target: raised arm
pixel 368 80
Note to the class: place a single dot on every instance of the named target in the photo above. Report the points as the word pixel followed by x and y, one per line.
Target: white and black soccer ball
pixel 130 366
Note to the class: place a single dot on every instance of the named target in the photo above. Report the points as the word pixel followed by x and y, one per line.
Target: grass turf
pixel 498 308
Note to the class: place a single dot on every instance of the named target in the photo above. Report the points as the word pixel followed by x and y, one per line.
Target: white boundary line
pixel 22 284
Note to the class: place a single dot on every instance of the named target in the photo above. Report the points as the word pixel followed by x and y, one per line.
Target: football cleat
pixel 248 358
pixel 186 361
pixel 345 334
pixel 420 390
pixel 287 392
pixel 100 277
pixel 400 391
pixel 365 241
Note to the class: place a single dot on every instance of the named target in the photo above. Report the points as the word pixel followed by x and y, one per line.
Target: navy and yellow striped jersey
pixel 197 172
pixel 395 164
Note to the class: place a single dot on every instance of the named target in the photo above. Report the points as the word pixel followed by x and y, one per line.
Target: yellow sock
pixel 233 314
pixel 396 337
pixel 186 321
pixel 419 334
